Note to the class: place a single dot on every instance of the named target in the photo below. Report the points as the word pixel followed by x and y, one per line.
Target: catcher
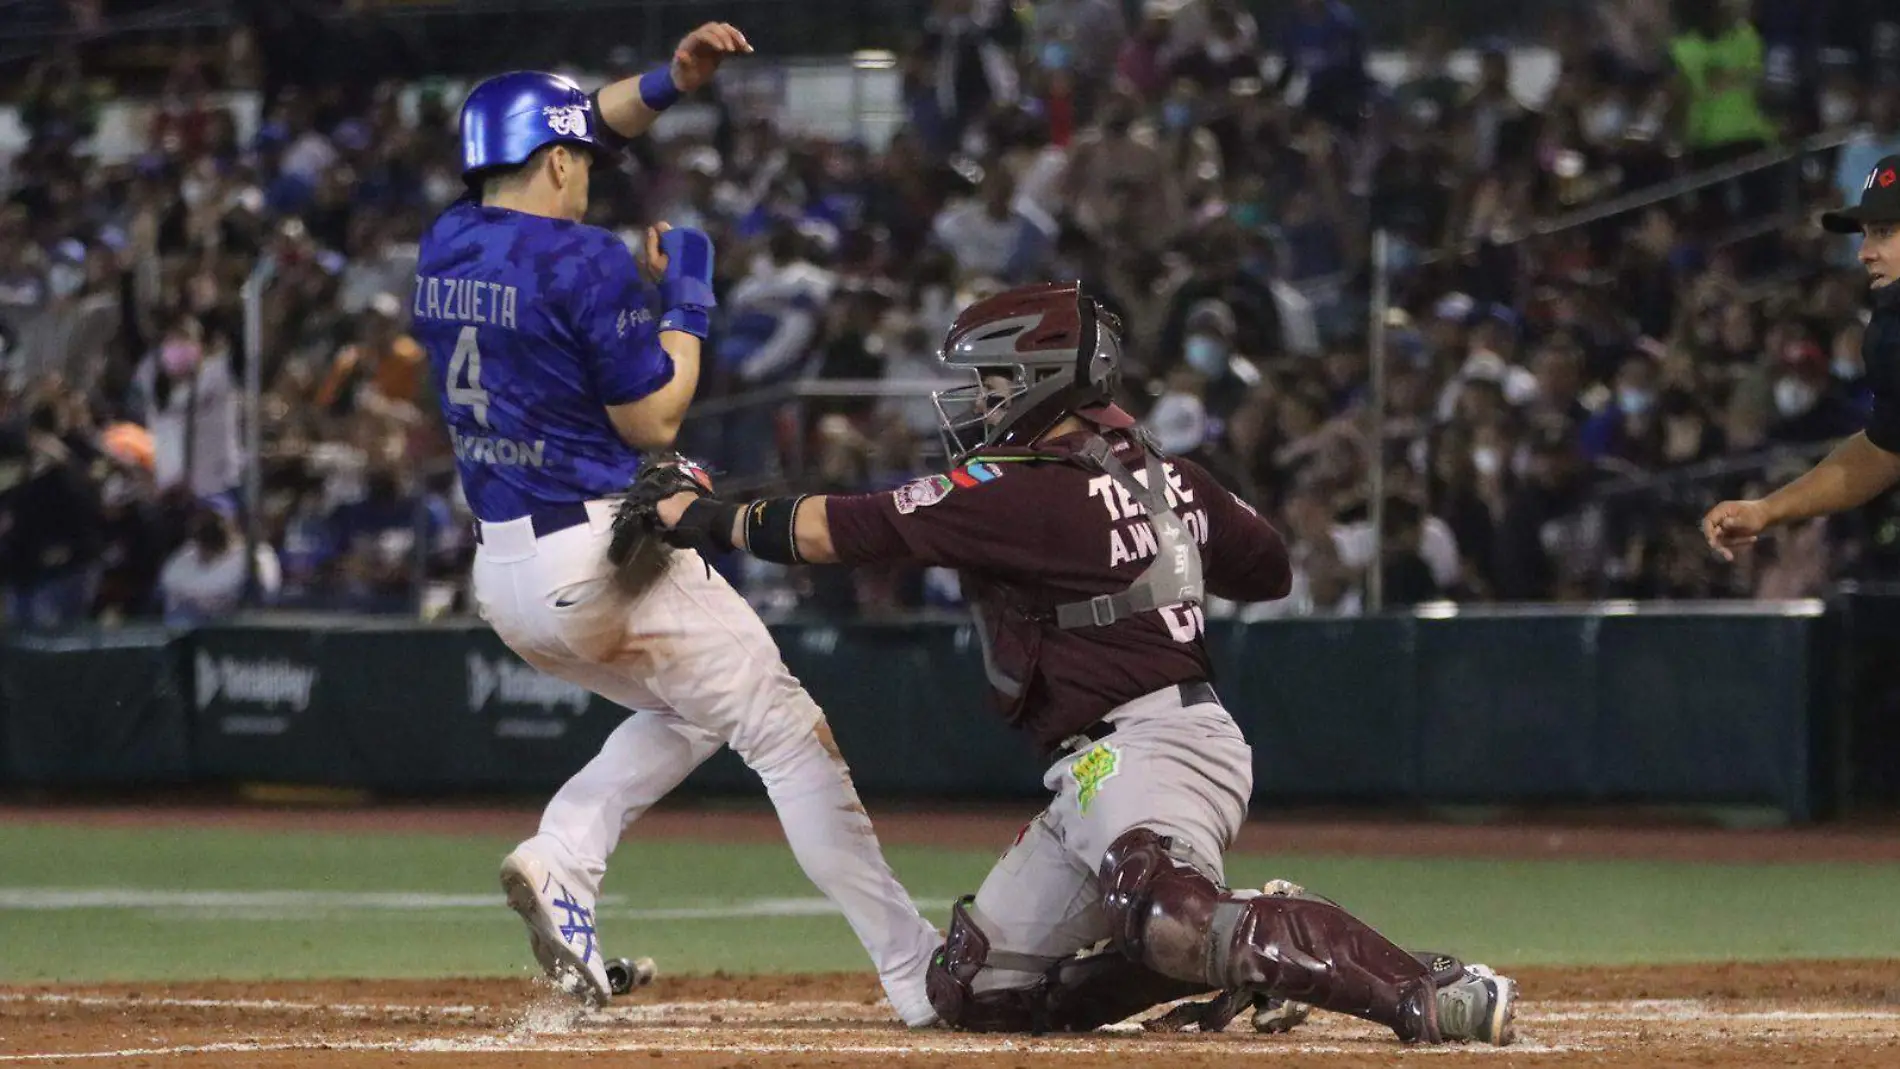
pixel 1087 554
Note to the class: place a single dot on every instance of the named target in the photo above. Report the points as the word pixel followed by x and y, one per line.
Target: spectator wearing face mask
pixel 1208 351
pixel 1219 274
pixel 1192 151
pixel 1628 429
pixel 205 579
pixel 1082 36
pixel 1810 406
pixel 1422 561
pixel 192 403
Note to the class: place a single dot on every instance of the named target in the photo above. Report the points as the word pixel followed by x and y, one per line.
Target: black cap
pixel 1879 201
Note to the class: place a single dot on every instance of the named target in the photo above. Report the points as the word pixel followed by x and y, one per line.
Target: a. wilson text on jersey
pixel 1137 541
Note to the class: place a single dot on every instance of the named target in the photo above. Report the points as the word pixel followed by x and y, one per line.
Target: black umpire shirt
pixel 1880 351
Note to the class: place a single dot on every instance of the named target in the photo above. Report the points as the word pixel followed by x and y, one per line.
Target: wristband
pixel 687 320
pixel 657 89
pixel 710 519
pixel 771 529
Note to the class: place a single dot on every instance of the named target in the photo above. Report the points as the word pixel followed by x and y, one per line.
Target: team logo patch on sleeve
pixel 921 493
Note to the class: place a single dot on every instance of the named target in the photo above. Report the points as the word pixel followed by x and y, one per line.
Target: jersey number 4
pixel 465 377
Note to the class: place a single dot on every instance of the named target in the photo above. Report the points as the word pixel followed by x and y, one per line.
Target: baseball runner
pixel 1087 555
pixel 1868 464
pixel 559 363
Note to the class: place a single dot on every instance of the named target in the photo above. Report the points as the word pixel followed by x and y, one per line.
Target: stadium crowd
pixel 1560 404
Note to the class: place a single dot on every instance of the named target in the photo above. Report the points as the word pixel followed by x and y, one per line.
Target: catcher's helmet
pixel 1060 351
pixel 509 117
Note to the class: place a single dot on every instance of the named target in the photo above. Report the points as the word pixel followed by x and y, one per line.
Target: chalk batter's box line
pixel 686 1028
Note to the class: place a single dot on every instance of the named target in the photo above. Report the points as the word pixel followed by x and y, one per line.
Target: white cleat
pixel 560 920
pixel 1480 1008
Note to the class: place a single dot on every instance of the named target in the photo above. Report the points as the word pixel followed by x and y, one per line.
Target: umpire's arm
pixel 1859 470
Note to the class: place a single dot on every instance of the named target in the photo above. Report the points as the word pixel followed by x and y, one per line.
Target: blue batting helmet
pixel 509 117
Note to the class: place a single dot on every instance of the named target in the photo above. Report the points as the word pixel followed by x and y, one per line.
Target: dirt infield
pixel 1842 1014
pixel 1837 1014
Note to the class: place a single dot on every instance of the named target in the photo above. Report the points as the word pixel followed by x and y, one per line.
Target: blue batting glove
pixel 687 281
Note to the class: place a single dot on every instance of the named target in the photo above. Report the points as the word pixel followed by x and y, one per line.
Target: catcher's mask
pixel 1034 354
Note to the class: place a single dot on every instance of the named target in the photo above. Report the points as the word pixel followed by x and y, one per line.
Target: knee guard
pixel 1077 994
pixel 1170 916
pixel 1160 905
pixel 951 977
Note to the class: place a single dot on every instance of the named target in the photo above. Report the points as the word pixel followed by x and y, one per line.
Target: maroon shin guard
pixel 1170 916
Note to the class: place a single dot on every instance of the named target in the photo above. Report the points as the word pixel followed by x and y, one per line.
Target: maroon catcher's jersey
pixel 1029 530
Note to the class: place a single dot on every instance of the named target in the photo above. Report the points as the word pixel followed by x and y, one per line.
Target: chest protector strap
pixel 1173 578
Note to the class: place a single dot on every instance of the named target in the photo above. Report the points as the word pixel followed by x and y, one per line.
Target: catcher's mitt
pixel 637 551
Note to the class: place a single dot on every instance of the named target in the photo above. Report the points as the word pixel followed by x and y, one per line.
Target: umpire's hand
pixel 701 52
pixel 1733 525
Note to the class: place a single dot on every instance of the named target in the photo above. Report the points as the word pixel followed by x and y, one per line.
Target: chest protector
pixel 1173 577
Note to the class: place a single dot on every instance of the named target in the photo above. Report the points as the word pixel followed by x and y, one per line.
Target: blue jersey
pixel 533 327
